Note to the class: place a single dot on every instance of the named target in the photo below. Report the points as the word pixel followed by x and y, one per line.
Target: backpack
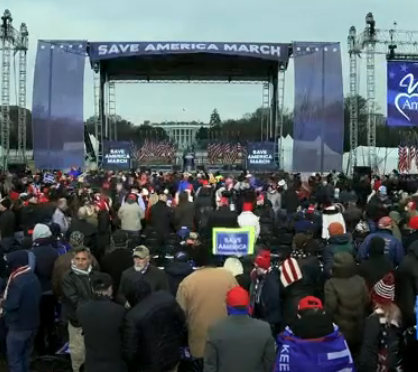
pixel 326 354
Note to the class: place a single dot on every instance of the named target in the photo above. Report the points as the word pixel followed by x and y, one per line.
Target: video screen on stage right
pixel 402 93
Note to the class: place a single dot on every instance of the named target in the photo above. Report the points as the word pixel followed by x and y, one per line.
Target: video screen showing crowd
pixel 116 272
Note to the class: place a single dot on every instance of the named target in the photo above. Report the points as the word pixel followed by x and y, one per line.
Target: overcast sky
pixel 198 20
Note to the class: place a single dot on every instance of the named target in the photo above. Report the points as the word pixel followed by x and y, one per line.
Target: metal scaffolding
pixel 13 42
pixel 372 41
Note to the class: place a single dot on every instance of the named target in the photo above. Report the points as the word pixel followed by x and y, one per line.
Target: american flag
pixel 215 152
pixel 402 158
pixel 163 150
pixel 412 153
pixel 227 153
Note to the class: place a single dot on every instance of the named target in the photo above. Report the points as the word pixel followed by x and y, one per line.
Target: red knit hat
pixel 385 223
pixel 247 207
pixel 263 260
pixel 413 223
pixel 383 291
pixel 238 297
pixel 310 302
pixel 224 200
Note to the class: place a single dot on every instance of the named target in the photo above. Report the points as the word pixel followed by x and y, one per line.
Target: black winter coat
pixel 161 218
pixel 102 323
pixel 45 255
pixel 154 333
pixel 176 272
pixel 7 224
pixel 406 285
pixel 115 263
pixel 76 290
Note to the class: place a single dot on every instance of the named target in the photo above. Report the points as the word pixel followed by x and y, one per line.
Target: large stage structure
pixel 372 41
pixel 190 62
pixel 13 42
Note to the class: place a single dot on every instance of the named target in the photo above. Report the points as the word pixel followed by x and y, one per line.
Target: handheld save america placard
pixel 233 242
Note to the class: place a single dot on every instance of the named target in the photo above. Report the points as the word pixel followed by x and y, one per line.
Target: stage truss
pixel 13 42
pixel 395 44
pixel 269 99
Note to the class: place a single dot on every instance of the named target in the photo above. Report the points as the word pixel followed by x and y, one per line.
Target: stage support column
pixel 273 135
pixel 102 116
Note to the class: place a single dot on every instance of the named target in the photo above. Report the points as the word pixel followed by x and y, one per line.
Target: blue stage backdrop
pixel 117 155
pixel 57 105
pixel 402 93
pixel 260 156
pixel 318 126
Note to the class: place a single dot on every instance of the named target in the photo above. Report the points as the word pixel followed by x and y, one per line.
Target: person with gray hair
pixel 59 216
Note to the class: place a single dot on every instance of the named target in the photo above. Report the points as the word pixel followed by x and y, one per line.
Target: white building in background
pixel 182 133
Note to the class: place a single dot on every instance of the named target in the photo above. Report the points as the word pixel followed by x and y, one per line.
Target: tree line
pixel 246 128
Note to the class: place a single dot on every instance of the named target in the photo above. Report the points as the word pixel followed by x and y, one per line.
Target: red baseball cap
pixel 310 302
pixel 238 297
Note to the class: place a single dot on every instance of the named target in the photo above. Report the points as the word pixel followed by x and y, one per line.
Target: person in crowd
pixel 407 285
pixel 59 217
pixel 183 214
pixel 7 219
pixel 117 259
pixel 203 310
pixel 396 220
pixel 265 291
pixel 274 197
pixel 300 276
pixel 410 238
pixel 161 216
pixel 76 289
pixel 102 323
pixel 377 265
pixel 352 215
pixel 312 334
pixel 248 219
pixel 380 348
pixel 239 342
pixel 20 306
pixel 154 330
pixel 331 214
pixel 177 270
pixel 338 242
pixel 156 277
pixel 393 247
pixel 64 262
pixel 222 217
pixel 45 257
pixel 89 230
pixel 130 215
pixel 347 299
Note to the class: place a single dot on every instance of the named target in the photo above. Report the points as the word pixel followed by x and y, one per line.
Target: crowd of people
pixel 115 272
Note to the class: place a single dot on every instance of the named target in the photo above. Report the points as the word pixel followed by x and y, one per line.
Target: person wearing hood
pixel 337 242
pixel 265 291
pixel 20 308
pixel 102 323
pixel 248 219
pixel 130 215
pixel 155 329
pixel 377 264
pixel 45 257
pixel 393 247
pixel 347 299
pixel 239 342
pixel 406 277
pixel 177 270
pixel 117 259
pixel 76 290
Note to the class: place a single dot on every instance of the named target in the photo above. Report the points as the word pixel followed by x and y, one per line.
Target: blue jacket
pixel 21 305
pixel 393 247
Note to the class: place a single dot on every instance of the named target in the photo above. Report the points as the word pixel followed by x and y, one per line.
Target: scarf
pixel 79 271
pixel 13 275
